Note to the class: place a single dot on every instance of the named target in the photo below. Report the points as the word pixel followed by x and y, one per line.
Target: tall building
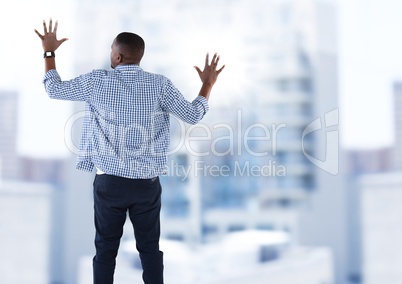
pixel 360 162
pixel 323 218
pixel 380 199
pixel 373 182
pixel 270 177
pixel 265 156
pixel 8 135
pixel 25 213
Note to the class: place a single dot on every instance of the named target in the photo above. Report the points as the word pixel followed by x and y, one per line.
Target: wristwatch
pixel 49 54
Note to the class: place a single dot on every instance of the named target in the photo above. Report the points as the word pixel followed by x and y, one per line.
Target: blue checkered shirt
pixel 126 128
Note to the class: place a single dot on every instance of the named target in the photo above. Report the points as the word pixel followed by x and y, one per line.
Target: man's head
pixel 127 48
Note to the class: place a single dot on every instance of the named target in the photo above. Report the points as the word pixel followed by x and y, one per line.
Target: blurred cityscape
pixel 259 192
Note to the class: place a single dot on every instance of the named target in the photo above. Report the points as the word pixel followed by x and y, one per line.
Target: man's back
pixel 126 124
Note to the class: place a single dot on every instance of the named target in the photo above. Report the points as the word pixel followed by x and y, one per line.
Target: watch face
pixel 48 54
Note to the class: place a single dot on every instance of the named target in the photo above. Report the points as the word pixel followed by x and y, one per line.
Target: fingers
pixel 39 35
pixel 207 60
pixel 46 31
pixel 50 25
pixel 214 63
pixel 220 70
pixel 215 59
pixel 51 30
pixel 198 69
pixel 44 27
pixel 55 26
pixel 62 40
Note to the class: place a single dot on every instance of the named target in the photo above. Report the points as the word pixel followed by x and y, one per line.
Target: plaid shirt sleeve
pixel 174 102
pixel 77 89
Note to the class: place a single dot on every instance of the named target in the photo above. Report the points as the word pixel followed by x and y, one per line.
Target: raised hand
pixel 210 74
pixel 49 37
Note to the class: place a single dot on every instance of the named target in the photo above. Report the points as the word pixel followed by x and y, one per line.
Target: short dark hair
pixel 131 44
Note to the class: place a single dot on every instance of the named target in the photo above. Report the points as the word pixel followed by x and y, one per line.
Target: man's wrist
pixel 49 54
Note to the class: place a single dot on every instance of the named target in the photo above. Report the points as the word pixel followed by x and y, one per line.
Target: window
pixel 236 228
pixel 268 253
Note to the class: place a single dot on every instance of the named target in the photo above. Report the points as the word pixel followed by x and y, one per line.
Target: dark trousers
pixel 113 198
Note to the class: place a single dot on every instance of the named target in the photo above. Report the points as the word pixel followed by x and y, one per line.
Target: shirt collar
pixel 128 67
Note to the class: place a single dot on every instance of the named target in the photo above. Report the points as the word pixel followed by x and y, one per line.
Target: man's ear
pixel 119 58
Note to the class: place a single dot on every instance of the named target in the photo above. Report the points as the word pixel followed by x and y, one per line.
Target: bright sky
pixel 370 61
pixel 41 120
pixel 370 54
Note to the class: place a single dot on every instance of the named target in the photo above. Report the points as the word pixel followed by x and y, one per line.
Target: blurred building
pixel 43 170
pixel 360 162
pixel 373 177
pixel 380 200
pixel 8 135
pixel 25 218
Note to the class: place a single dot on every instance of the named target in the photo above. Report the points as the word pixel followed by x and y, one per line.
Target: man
pixel 125 137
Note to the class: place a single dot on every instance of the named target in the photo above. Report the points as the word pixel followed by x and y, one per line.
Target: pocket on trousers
pixel 105 183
